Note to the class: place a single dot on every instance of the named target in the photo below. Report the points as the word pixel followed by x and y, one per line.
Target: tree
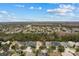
pixel 15 47
pixel 61 48
pixel 77 49
pixel 51 49
pixel 42 47
pixel 23 47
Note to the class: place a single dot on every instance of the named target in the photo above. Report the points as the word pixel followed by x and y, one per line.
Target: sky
pixel 29 12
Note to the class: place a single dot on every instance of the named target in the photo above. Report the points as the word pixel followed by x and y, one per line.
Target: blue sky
pixel 21 12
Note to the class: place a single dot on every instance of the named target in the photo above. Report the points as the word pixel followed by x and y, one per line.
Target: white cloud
pixel 35 8
pixel 39 8
pixel 3 12
pixel 21 6
pixel 66 6
pixel 12 13
pixel 31 7
pixel 6 16
pixel 1 16
pixel 14 17
pixel 62 10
